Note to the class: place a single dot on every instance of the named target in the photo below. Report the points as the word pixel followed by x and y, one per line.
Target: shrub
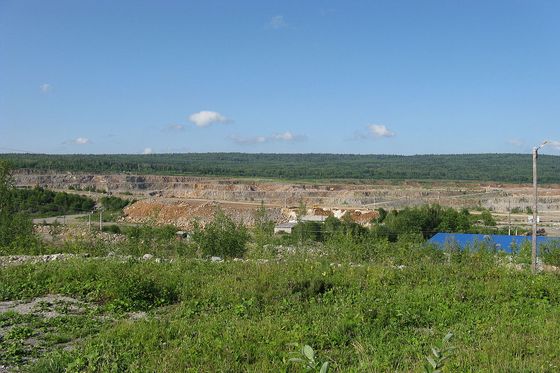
pixel 112 229
pixel 550 252
pixel 16 228
pixel 222 237
pixel 114 203
pixel 263 229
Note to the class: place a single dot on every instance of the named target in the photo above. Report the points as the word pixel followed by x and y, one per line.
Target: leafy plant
pixel 16 228
pixel 222 237
pixel 263 229
pixel 551 252
pixel 436 360
pixel 306 357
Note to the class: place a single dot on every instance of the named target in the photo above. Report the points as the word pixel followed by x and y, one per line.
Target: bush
pixel 113 203
pixel 263 229
pixel 550 252
pixel 222 237
pixel 16 228
pixel 112 229
pixel 151 234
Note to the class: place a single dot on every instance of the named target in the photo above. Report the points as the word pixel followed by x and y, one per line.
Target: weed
pixel 306 357
pixel 439 355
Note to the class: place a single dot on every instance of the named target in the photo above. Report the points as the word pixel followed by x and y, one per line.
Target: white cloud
pixel 286 136
pixel 174 128
pixel 278 137
pixel 555 144
pixel 81 141
pixel 380 130
pixel 45 87
pixel 515 142
pixel 206 118
pixel 78 141
pixel 147 151
pixel 277 22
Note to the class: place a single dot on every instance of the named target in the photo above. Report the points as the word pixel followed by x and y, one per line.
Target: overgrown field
pixel 382 315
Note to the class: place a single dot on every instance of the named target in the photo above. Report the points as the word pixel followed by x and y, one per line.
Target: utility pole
pixel 535 204
pixel 535 208
pixel 509 216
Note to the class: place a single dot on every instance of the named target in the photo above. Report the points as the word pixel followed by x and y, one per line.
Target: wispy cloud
pixel 78 141
pixel 277 137
pixel 206 118
pixel 82 141
pixel 374 131
pixel 45 87
pixel 555 144
pixel 277 22
pixel 147 151
pixel 174 128
pixel 360 135
pixel 515 142
pixel 380 130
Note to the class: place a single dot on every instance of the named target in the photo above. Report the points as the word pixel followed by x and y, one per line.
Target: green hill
pixel 480 167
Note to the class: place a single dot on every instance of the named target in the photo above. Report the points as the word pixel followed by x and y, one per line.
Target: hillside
pixel 514 168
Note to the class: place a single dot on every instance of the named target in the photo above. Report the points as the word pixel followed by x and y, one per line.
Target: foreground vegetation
pixel 479 167
pixel 381 315
pixel 363 305
pixel 342 296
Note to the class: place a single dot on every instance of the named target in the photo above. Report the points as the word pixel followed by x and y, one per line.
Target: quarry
pixel 180 200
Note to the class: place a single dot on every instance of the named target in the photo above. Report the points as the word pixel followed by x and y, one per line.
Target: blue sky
pixel 381 77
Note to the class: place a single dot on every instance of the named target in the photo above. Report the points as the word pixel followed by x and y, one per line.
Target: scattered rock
pixel 48 306
pixel 147 256
pixel 25 259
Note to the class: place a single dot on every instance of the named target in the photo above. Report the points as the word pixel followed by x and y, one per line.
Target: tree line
pixel 43 202
pixel 514 168
pixel 422 221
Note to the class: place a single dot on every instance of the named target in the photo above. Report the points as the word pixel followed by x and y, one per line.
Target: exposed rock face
pixel 184 213
pixel 284 194
pixel 180 199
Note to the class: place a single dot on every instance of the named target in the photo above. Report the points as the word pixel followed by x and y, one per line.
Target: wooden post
pixel 535 213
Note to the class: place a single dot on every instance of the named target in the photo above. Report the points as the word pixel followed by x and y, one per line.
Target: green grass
pixel 242 316
pixel 29 336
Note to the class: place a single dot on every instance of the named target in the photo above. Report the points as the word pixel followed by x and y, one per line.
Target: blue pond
pixel 498 241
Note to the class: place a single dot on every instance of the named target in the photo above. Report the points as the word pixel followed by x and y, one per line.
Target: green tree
pixel 263 229
pixel 301 210
pixel 221 237
pixel 15 227
pixel 382 214
pixel 487 219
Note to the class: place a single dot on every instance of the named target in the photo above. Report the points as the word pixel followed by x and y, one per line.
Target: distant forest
pixel 514 168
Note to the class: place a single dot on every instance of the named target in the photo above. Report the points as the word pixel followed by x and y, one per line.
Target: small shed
pixel 285 227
